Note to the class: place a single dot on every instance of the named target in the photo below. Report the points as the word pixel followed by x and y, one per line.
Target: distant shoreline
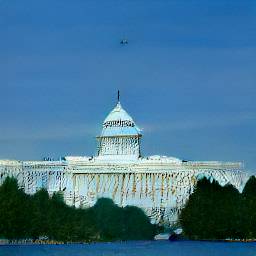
pixel 40 242
pixel 52 242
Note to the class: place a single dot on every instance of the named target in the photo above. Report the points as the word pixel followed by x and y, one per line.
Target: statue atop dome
pixel 120 136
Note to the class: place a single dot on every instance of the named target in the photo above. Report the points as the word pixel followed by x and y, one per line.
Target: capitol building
pixel 160 185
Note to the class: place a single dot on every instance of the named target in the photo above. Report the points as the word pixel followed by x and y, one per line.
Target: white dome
pixel 119 123
pixel 118 113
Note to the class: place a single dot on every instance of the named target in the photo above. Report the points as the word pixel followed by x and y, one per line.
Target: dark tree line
pixel 216 212
pixel 34 216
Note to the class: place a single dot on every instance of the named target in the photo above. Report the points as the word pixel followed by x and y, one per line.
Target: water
pixel 141 248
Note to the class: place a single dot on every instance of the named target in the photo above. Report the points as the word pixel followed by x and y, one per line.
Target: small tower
pixel 120 137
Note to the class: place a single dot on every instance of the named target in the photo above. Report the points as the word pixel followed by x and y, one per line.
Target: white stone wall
pixel 160 190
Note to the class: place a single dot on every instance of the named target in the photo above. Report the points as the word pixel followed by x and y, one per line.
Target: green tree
pixel 109 219
pixel 15 210
pixel 137 224
pixel 213 212
pixel 249 195
pixel 25 216
pixel 40 216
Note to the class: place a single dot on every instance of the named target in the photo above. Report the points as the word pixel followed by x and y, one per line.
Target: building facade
pixel 159 185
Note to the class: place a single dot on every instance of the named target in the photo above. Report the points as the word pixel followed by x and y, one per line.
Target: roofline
pixel 119 136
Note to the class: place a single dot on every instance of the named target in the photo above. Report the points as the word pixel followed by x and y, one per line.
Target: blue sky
pixel 187 76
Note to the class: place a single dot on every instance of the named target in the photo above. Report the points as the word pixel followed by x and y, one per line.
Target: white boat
pixel 162 236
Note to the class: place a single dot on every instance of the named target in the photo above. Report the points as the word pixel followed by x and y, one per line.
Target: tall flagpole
pixel 118 96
